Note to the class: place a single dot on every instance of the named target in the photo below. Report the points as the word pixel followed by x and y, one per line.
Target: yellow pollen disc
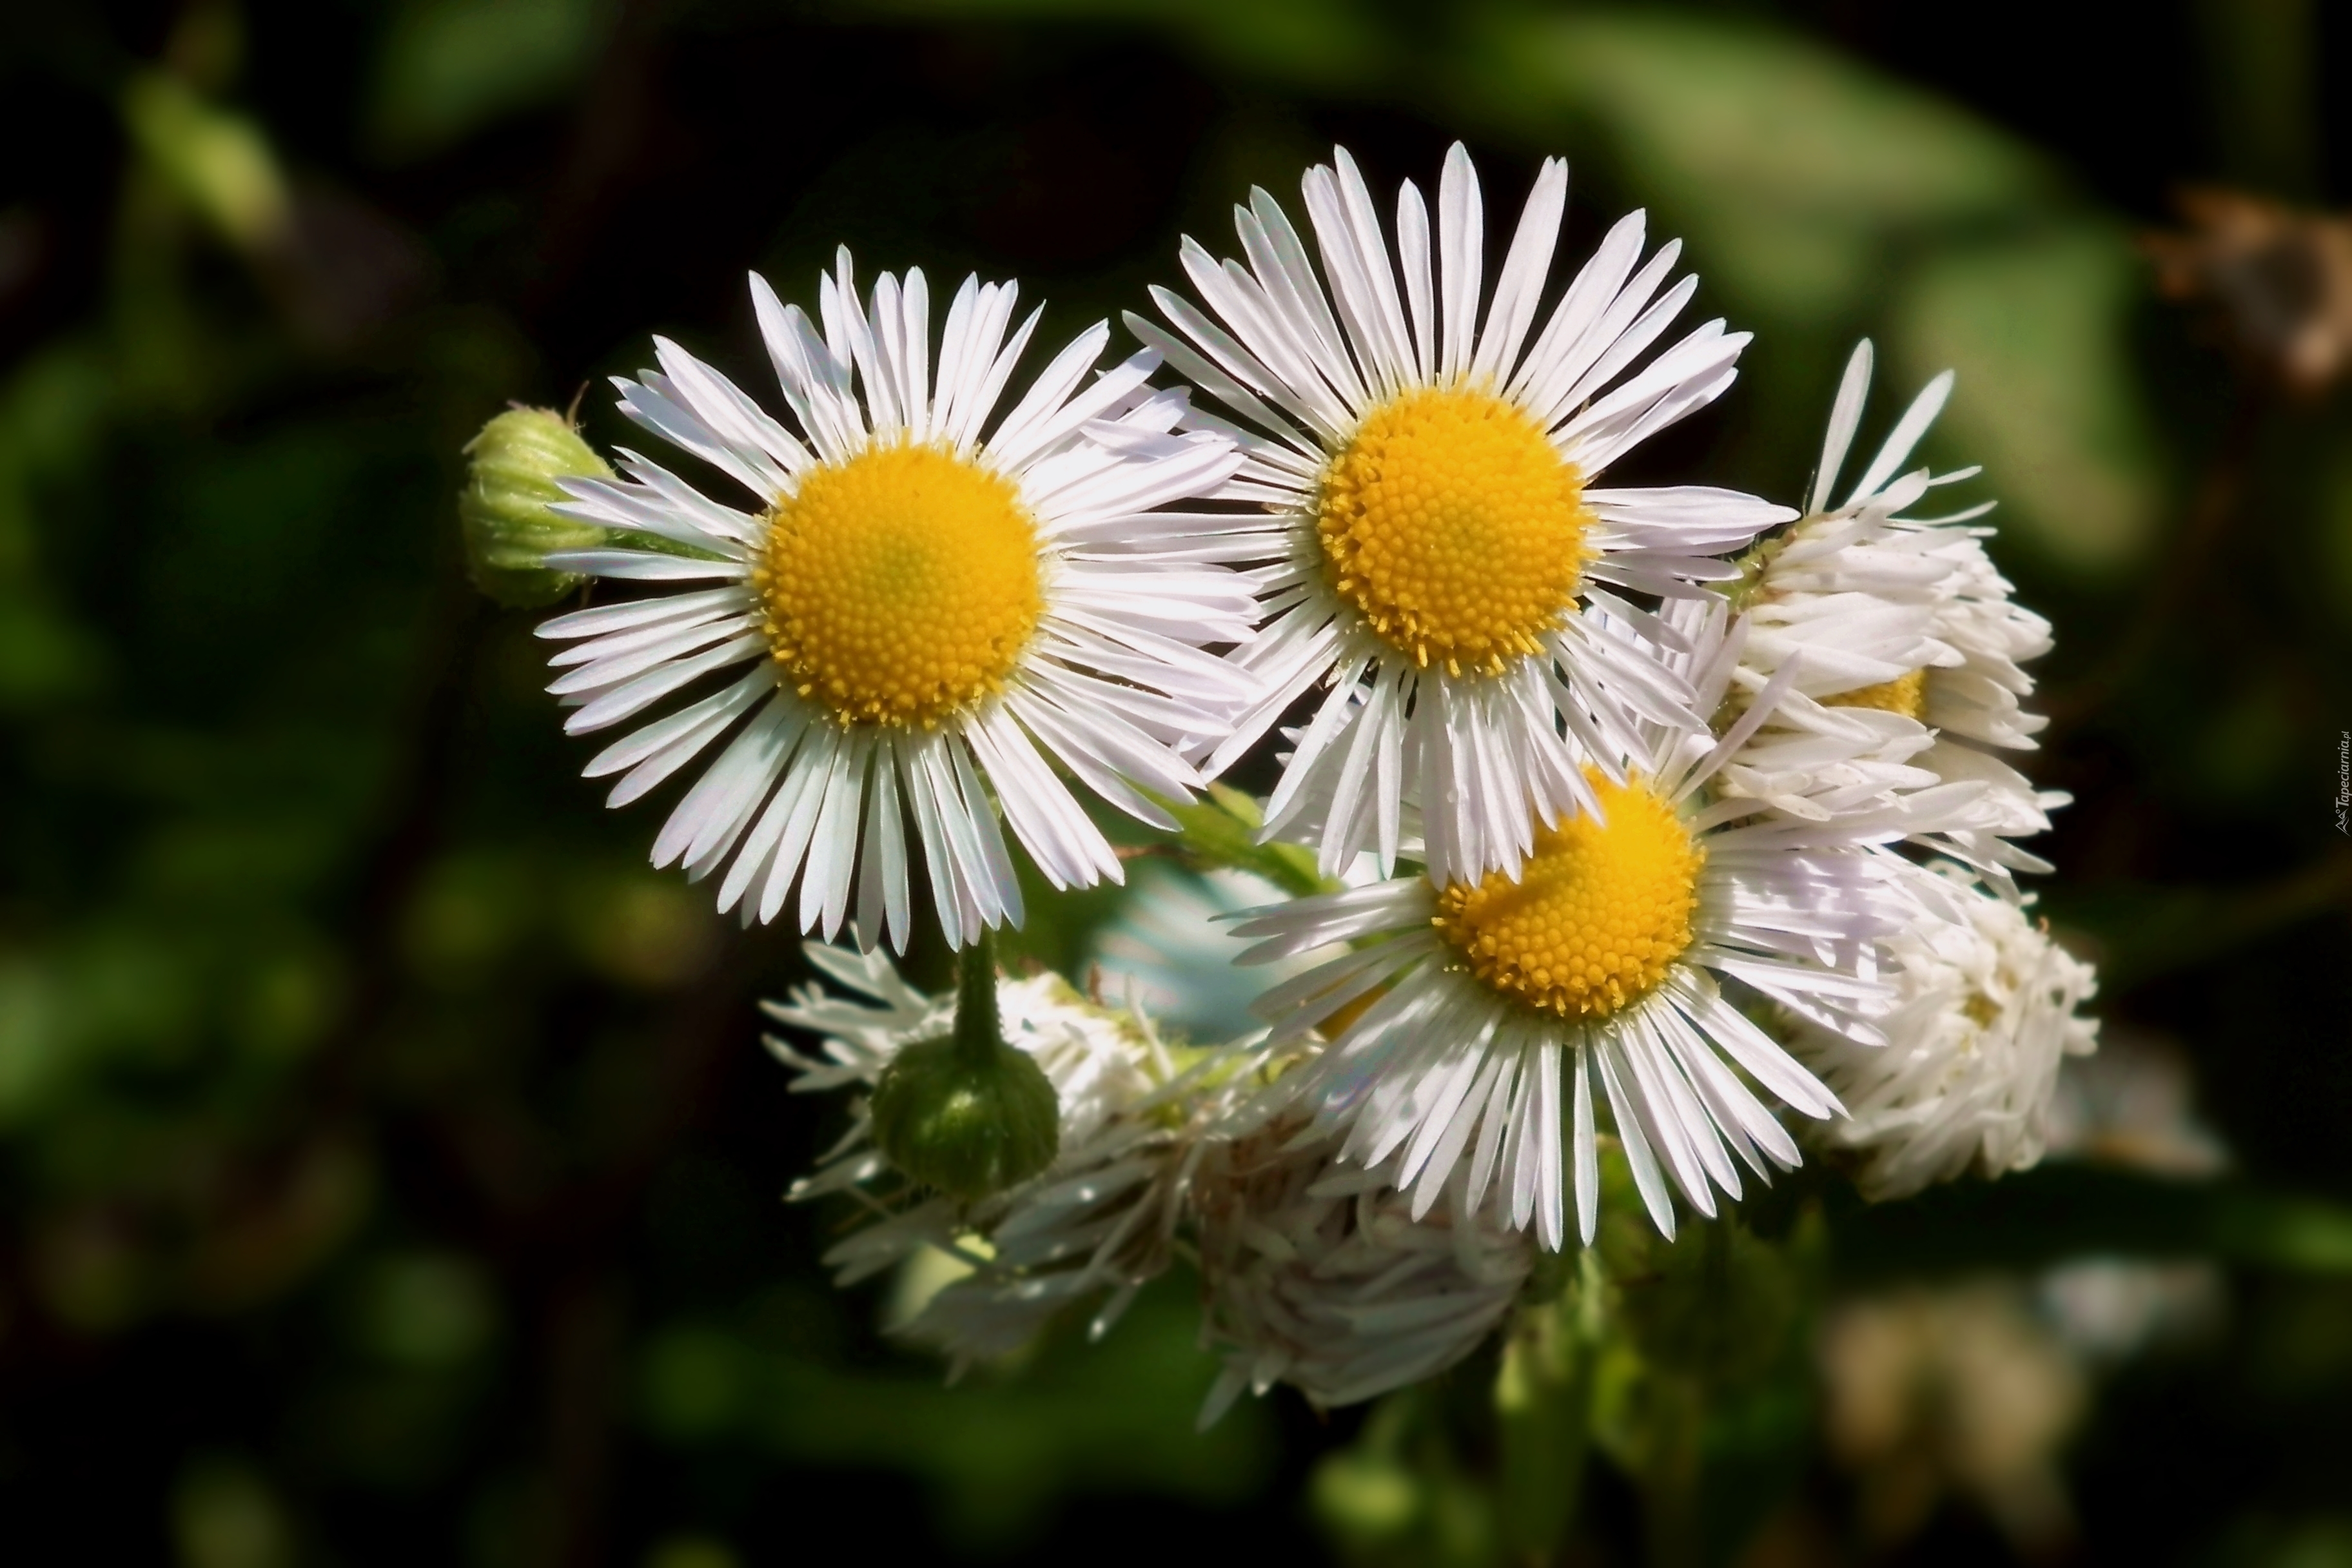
pixel 1599 914
pixel 900 586
pixel 1905 694
pixel 1452 525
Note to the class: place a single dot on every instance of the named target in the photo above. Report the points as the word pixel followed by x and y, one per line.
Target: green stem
pixel 1543 1392
pixel 979 1029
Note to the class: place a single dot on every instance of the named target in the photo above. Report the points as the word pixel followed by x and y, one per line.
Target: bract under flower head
pixel 936 606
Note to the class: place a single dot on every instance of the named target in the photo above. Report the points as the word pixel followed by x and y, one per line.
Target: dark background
pixel 388 1168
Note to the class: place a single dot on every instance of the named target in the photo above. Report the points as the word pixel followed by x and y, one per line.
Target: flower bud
pixel 967 1127
pixel 511 483
pixel 967 1113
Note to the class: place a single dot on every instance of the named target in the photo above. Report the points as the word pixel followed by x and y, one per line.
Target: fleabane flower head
pixel 1987 1009
pixel 923 605
pixel 1903 621
pixel 1477 1024
pixel 1096 1226
pixel 1860 768
pixel 1437 531
pixel 1316 1273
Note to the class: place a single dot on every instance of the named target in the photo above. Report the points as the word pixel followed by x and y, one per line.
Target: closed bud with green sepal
pixel 968 1113
pixel 505 508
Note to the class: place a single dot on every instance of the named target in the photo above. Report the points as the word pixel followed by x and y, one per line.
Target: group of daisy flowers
pixel 1627 821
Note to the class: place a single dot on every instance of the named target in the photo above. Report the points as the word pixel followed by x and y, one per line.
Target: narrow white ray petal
pixel 613 664
pixel 1512 1058
pixel 660 749
pixel 724 409
pixel 1363 230
pixel 1209 378
pixel 867 928
pixel 743 772
pixel 769 834
pixel 832 848
pixel 915 339
pixel 1050 390
pixel 982 837
pixel 1414 256
pixel 1461 260
pixel 1526 267
pixel 1587 1147
pixel 1904 436
pixel 1624 1115
pixel 643 566
pixel 794 813
pixel 606 619
pixel 1305 294
pixel 888 830
pixel 1845 418
pixel 1596 284
pixel 633 696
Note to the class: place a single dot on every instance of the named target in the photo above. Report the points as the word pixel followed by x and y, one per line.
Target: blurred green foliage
pixel 445 68
pixel 390 1170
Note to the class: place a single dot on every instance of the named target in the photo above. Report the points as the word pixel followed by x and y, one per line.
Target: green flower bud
pixel 511 483
pixel 968 1113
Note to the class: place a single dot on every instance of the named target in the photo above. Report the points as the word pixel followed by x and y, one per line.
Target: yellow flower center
pixel 900 586
pixel 1599 914
pixel 1905 694
pixel 1452 525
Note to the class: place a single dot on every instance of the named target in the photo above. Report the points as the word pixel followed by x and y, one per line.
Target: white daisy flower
pixel 1987 1010
pixel 925 610
pixel 1436 529
pixel 1905 616
pixel 1315 1275
pixel 1100 1221
pixel 1826 763
pixel 1486 1019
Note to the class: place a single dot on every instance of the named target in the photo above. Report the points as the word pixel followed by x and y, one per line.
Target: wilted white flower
pixel 1987 1010
pixel 1317 1274
pixel 934 610
pixel 1097 1224
pixel 1440 543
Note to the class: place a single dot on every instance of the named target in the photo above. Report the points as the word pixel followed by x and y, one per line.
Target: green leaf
pixel 1785 161
pixel 450 66
pixel 2048 398
pixel 1221 833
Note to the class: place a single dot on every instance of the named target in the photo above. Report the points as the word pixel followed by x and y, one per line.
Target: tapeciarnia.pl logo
pixel 2344 782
